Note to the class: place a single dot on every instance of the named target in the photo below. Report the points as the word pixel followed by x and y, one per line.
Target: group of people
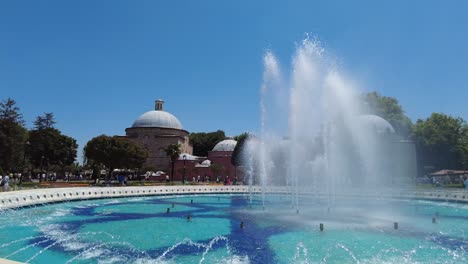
pixel 200 179
pixel 226 180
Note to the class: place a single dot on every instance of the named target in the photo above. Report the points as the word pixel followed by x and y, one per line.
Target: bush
pixel 454 185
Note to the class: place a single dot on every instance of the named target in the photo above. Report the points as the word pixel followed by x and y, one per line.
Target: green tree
pixel 13 136
pixel 442 142
pixel 462 147
pixel 204 142
pixel 172 151
pixel 9 112
pixel 73 169
pixel 389 109
pixel 45 121
pixel 114 152
pixel 236 158
pixel 47 146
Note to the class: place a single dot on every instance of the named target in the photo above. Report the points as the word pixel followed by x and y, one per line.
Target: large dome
pixel 225 145
pixel 158 118
pixel 377 123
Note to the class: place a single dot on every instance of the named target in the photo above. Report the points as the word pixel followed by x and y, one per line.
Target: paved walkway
pixel 6 261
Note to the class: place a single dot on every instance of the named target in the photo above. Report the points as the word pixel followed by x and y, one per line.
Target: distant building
pixel 217 166
pixel 396 157
pixel 155 130
pixel 221 155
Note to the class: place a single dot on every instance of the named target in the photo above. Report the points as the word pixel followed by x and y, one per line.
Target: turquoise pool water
pixel 139 230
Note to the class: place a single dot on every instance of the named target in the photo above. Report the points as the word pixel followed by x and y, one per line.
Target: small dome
pixel 225 145
pixel 156 118
pixel 206 163
pixel 377 123
pixel 187 156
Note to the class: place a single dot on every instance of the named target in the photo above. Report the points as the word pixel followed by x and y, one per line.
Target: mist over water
pixel 314 136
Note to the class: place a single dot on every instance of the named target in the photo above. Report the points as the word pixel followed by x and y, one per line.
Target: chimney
pixel 159 105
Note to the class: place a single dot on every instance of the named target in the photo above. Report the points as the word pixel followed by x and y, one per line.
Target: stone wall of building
pixel 222 159
pixel 154 139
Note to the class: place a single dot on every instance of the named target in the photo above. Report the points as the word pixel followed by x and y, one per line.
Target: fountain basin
pixel 137 229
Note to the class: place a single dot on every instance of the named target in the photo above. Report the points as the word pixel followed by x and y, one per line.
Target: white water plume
pixel 207 248
pixel 314 136
pixel 301 255
pixel 210 246
pixel 26 247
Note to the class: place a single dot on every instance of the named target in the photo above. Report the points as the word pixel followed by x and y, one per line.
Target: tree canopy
pixel 173 151
pixel 12 136
pixel 10 112
pixel 47 146
pixel 114 152
pixel 442 142
pixel 204 142
pixel 45 121
pixel 390 109
pixel 236 158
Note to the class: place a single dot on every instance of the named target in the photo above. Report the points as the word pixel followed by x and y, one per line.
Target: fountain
pixel 326 184
pixel 315 138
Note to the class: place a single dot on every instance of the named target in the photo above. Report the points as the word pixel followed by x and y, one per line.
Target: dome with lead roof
pixel 158 118
pixel 225 145
pixel 377 123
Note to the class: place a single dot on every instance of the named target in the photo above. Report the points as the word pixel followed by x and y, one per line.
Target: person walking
pixel 4 183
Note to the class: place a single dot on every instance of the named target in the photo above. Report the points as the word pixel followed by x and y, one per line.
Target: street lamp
pixel 185 158
pixel 26 146
pixel 42 162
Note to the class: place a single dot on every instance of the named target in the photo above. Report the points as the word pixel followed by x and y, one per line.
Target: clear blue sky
pixel 98 65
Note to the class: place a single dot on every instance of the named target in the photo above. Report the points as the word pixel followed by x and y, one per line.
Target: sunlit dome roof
pixel 225 145
pixel 206 162
pixel 158 118
pixel 377 123
pixel 187 156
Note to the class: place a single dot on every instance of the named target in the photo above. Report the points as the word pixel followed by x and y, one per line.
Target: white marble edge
pixel 31 197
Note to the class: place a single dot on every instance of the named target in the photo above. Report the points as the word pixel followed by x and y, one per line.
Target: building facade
pixel 217 167
pixel 155 130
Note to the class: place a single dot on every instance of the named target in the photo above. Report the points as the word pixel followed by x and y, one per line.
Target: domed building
pixel 221 155
pixel 216 167
pixel 225 146
pixel 402 166
pixel 377 124
pixel 155 130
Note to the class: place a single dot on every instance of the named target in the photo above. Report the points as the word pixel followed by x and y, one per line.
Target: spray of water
pixel 313 135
